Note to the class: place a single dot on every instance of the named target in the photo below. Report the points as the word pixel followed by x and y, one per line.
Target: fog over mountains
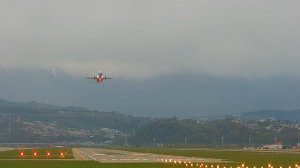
pixel 181 95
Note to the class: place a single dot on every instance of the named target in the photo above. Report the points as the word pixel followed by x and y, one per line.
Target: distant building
pixel 276 145
pixel 272 146
pixel 297 146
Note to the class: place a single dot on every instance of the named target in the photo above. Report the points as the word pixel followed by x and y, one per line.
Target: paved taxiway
pixel 118 156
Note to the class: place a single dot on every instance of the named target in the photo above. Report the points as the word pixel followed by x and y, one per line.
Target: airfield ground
pixel 150 157
pixel 119 156
pixel 6 149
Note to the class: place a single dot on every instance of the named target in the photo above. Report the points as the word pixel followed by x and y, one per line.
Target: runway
pixel 118 156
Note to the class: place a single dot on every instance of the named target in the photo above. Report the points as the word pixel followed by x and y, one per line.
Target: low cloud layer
pixel 142 39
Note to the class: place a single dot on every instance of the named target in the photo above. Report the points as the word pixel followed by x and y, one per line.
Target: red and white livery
pixel 99 78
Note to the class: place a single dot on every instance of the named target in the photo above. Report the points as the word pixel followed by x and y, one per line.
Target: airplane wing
pixel 90 78
pixel 108 78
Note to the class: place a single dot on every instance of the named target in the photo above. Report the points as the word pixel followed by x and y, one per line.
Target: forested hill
pixel 273 114
pixel 67 117
pixel 44 123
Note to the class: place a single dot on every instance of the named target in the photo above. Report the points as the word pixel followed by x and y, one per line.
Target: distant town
pixel 32 123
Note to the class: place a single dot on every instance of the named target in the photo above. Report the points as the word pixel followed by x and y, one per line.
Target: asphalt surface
pixel 118 156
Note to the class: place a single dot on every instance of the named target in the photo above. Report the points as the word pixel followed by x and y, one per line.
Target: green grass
pixel 55 153
pixel 14 160
pixel 75 164
pixel 47 164
pixel 250 159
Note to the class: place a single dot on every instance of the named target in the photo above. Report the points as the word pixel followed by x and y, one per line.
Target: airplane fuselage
pixel 100 79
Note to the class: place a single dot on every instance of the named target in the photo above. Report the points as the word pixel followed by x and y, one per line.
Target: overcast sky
pixel 146 38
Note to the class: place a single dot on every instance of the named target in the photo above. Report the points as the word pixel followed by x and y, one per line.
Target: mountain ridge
pixel 169 95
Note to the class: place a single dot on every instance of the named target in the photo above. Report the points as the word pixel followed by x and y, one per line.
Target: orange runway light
pixel 62 154
pixel 35 154
pixel 48 154
pixel 22 154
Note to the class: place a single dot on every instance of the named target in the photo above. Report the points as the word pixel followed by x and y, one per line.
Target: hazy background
pixel 169 57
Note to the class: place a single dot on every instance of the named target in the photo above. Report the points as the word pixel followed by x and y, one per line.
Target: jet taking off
pixel 99 78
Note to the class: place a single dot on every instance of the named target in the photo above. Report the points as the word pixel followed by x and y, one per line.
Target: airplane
pixel 99 78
